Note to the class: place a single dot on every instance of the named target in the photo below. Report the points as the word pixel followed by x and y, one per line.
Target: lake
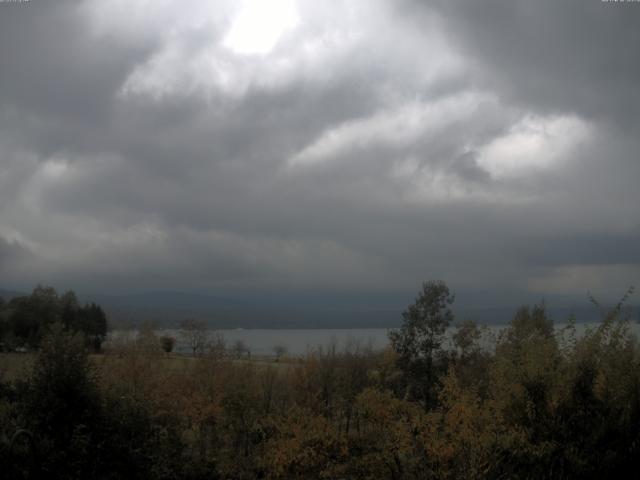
pixel 261 342
pixel 297 342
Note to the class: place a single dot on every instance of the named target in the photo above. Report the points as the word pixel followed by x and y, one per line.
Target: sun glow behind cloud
pixel 259 26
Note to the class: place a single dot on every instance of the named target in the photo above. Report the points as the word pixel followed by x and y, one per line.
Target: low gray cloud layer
pixel 348 146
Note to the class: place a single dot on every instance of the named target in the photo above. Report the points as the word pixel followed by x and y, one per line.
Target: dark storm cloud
pixel 11 252
pixel 377 145
pixel 466 166
pixel 570 56
pixel 57 76
pixel 583 249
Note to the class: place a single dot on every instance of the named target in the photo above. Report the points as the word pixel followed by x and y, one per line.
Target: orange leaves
pixel 304 445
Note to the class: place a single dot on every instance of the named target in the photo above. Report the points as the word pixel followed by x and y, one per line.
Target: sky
pixel 342 147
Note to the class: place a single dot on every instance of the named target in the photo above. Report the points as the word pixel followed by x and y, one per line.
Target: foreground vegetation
pixel 542 403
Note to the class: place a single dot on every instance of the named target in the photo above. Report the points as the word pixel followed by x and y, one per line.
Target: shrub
pixel 167 343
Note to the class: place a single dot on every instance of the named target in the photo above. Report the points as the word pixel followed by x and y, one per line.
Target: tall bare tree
pixel 195 334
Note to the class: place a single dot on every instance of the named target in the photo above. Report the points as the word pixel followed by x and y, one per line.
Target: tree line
pixel 532 402
pixel 25 320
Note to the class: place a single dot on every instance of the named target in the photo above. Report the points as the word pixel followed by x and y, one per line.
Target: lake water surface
pixel 261 342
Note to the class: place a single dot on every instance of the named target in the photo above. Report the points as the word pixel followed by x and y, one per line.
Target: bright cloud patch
pixel 393 127
pixel 232 50
pixel 260 24
pixel 532 144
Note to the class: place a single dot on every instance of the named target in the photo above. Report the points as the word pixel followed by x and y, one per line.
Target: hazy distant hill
pixel 306 311
pixel 168 308
pixel 9 294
